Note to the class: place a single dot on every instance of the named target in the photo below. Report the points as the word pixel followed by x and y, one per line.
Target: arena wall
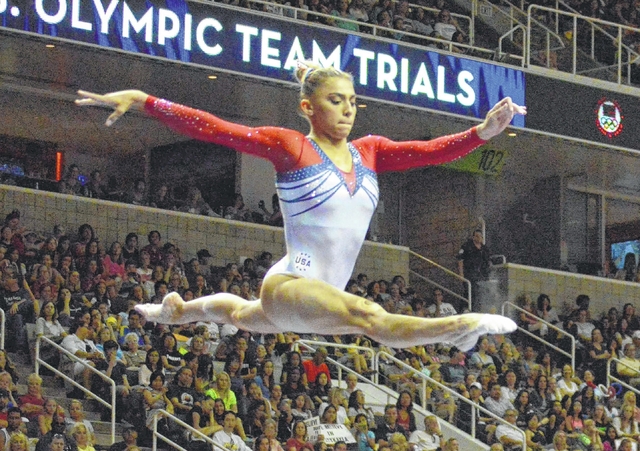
pixel 227 240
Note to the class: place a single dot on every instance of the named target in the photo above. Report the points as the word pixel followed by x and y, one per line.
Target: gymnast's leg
pixel 313 306
pixel 221 308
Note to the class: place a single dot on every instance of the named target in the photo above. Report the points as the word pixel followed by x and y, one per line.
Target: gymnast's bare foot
pixel 481 324
pixel 171 311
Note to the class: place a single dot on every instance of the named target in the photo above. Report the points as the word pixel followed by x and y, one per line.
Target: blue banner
pixel 268 46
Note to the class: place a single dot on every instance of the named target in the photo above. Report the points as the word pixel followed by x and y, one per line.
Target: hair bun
pixel 304 69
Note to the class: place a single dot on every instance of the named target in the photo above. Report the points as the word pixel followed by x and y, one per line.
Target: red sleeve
pixel 279 145
pixel 400 156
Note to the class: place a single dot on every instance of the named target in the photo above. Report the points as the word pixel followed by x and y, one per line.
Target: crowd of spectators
pixel 234 385
pixel 400 20
pixel 76 184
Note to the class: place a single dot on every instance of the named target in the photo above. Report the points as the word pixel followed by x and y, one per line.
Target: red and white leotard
pixel 326 211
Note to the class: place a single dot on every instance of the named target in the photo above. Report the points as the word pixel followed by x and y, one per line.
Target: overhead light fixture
pixel 212 77
pixel 512 134
pixel 50 46
pixel 362 105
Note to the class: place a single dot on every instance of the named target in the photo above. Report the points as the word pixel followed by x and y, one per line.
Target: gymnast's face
pixel 331 109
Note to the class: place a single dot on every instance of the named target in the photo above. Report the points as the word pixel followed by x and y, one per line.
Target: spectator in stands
pixel 422 22
pixel 182 392
pixel 430 438
pixel 156 397
pixel 202 419
pixel 625 424
pixel 14 426
pixel 473 256
pixel 298 438
pixel 151 364
pixel 79 343
pixel 95 187
pixel 336 399
pixel 316 365
pixel 239 211
pixel 226 438
pixel 274 218
pixel 195 204
pixel 80 434
pixel 76 415
pixel 454 372
pixel 574 424
pixel 440 308
pixel 113 369
pixel 162 199
pixel 584 327
pixel 48 326
pixel 135 326
pixel 20 307
pixel 137 195
pixel 342 10
pixel 545 310
pixel 50 411
pixel 130 249
pixel 154 248
pixel 389 427
pixel 480 358
pixel 629 313
pixel 56 440
pixel 32 403
pixel 18 442
pixel 497 404
pixel 129 440
pixel 629 366
pixel 358 11
pixel 599 356
pixel 567 385
pixel 404 407
pixel 319 393
pixel 357 406
pixel 70 183
pixel 509 436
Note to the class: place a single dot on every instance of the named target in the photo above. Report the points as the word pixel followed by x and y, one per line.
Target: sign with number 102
pixel 484 161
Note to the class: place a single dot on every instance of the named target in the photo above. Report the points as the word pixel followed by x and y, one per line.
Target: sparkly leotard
pixel 326 211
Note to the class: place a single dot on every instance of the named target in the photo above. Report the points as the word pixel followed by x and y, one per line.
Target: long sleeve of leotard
pixel 279 145
pixel 403 155
pixel 284 147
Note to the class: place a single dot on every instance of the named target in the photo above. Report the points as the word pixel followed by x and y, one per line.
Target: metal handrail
pixel 571 355
pixel 73 358
pixel 157 435
pixel 3 319
pixel 448 272
pixel 524 45
pixel 618 380
pixel 453 393
pixel 594 24
pixel 312 346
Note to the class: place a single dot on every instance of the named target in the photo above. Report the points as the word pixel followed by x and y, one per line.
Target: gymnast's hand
pixel 499 117
pixel 121 101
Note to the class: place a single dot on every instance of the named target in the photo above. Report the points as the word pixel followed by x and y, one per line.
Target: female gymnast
pixel 328 192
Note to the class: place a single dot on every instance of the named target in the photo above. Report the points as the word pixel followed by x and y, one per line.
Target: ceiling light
pixel 212 77
pixel 512 134
pixel 362 105
pixel 50 46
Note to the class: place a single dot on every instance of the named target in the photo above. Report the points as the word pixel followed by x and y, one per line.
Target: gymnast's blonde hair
pixel 311 76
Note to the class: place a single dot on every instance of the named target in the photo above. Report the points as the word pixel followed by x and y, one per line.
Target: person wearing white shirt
pixel 226 438
pixel 429 439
